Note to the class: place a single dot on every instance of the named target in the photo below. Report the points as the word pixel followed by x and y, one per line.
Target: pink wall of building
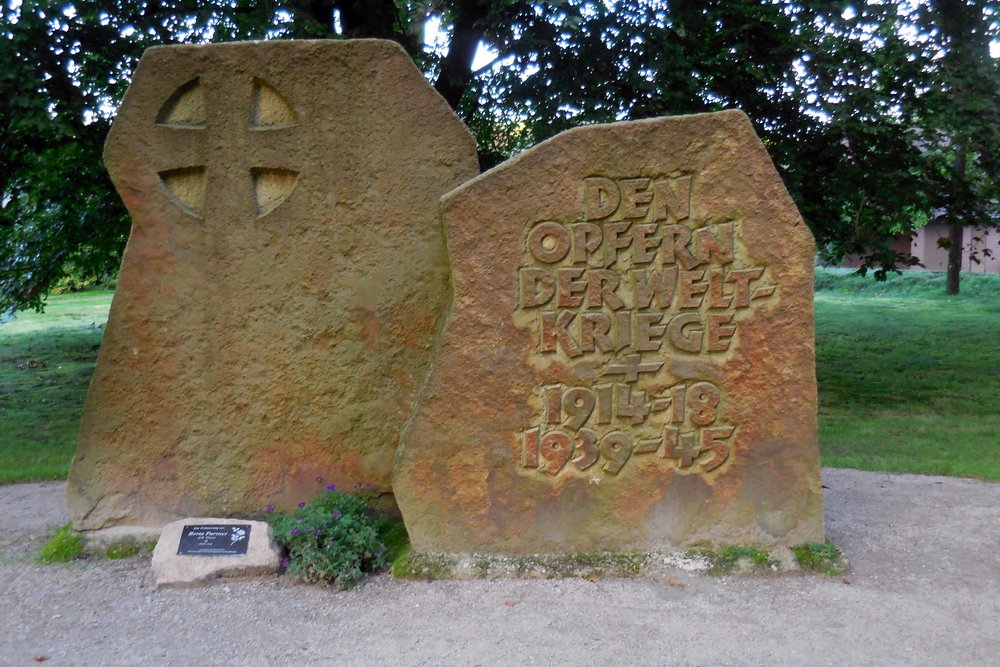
pixel 924 246
pixel 935 258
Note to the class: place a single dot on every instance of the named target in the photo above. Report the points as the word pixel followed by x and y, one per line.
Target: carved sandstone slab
pixel 282 283
pixel 238 548
pixel 628 363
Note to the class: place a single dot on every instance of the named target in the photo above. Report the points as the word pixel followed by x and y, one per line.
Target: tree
pixel 57 212
pixel 962 123
pixel 832 95
pixel 835 93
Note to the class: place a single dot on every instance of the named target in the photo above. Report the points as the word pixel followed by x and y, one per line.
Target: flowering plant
pixel 332 539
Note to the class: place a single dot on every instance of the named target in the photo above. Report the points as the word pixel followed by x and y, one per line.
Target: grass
pixel 124 548
pixel 909 379
pixel 64 546
pixel 46 362
pixel 825 558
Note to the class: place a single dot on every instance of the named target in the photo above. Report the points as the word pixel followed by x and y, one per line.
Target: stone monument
pixel 628 363
pixel 282 284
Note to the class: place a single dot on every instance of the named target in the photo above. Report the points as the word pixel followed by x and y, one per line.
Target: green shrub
pixel 64 546
pixel 333 539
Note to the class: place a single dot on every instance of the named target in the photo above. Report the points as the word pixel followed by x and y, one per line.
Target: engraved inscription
pixel 610 423
pixel 637 278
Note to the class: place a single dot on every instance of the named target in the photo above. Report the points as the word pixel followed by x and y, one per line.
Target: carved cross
pixel 225 147
pixel 633 368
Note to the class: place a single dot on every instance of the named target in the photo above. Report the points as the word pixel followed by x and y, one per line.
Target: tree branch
pixel 468 31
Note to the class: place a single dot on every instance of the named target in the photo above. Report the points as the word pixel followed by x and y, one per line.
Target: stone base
pixel 171 569
pixel 99 540
pixel 731 560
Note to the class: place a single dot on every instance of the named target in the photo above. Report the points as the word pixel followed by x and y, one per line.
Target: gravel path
pixel 923 589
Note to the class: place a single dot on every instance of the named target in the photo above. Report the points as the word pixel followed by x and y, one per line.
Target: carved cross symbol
pixel 222 145
pixel 633 368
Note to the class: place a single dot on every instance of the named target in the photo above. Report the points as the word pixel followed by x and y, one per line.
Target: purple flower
pixel 358 485
pixel 301 505
pixel 378 554
pixel 310 530
pixel 319 478
pixel 294 532
pixel 336 514
pixel 331 487
pixel 369 485
pixel 284 562
pixel 269 508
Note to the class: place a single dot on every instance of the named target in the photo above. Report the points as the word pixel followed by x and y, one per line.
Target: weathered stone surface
pixel 628 362
pixel 172 569
pixel 282 283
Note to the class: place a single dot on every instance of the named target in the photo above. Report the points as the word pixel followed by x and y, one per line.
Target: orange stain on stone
pixel 367 326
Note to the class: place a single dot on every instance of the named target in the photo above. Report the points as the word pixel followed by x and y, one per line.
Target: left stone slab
pixel 190 552
pixel 282 283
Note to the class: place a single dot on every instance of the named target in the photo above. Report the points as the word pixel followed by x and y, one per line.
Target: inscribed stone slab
pixel 170 568
pixel 628 362
pixel 282 283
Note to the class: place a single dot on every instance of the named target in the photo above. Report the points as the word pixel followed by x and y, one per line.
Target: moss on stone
pixel 126 547
pixel 732 559
pixel 485 566
pixel 409 565
pixel 737 558
pixel 825 558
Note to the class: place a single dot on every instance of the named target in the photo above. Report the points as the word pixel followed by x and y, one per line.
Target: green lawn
pixel 46 362
pixel 909 379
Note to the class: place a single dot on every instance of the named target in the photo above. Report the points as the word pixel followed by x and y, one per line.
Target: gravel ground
pixel 923 589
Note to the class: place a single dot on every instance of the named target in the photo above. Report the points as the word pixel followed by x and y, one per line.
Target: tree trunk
pixel 964 25
pixel 955 233
pixel 956 230
pixel 456 70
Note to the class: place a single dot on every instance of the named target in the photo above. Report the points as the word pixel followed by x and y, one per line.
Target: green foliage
pixel 123 549
pixel 867 110
pixel 737 558
pixel 978 288
pixel 825 558
pixel 46 363
pixel 393 535
pixel 58 211
pixel 429 567
pixel 959 121
pixel 334 539
pixel 834 94
pixel 79 282
pixel 907 376
pixel 64 546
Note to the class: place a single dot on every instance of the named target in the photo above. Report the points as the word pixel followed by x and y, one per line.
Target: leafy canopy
pixel 866 108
